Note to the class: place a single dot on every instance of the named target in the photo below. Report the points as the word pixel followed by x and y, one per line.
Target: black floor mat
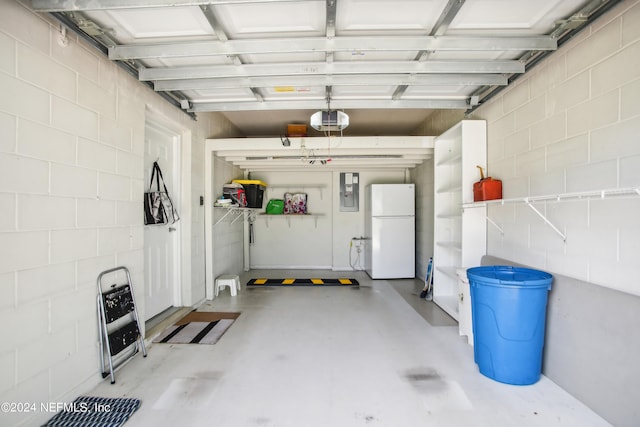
pixel 89 411
pixel 302 282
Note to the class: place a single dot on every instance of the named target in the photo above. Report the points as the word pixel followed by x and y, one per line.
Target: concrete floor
pixel 374 355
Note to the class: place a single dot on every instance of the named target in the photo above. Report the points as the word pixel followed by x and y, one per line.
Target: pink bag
pixel 295 203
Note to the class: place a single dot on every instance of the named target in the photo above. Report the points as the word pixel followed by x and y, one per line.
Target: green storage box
pixel 275 207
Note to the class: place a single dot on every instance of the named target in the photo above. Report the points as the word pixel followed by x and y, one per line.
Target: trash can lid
pixel 505 275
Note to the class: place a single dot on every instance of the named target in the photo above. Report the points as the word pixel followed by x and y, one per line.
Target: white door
pixel 392 199
pixel 393 248
pixel 161 243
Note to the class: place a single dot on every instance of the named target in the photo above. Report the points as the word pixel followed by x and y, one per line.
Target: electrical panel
pixel 349 191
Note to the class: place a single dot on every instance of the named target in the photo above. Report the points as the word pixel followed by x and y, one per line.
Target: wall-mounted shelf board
pixel 451 158
pixel 450 245
pixel 602 194
pixel 448 271
pixel 529 201
pixel 452 215
pixel 451 188
pixel 268 217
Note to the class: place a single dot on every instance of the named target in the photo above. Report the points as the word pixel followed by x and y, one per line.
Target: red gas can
pixel 487 188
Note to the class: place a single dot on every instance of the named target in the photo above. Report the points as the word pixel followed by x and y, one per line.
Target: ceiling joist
pixel 336 68
pixel 80 5
pixel 337 104
pixel 330 45
pixel 259 55
pixel 293 83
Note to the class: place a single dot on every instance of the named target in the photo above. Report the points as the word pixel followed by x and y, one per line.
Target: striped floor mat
pixel 198 327
pixel 302 282
pixel 90 411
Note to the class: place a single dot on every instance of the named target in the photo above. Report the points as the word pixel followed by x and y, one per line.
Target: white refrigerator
pixel 390 231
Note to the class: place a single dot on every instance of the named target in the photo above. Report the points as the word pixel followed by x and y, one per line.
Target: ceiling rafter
pixel 333 80
pixel 336 68
pixel 337 104
pixel 66 5
pixel 327 45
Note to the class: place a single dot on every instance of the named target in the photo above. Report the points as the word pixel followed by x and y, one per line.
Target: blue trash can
pixel 509 312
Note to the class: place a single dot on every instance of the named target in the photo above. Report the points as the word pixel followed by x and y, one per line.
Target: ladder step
pixel 123 337
pixel 117 303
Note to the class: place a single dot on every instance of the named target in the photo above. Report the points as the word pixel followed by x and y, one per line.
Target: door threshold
pixel 158 323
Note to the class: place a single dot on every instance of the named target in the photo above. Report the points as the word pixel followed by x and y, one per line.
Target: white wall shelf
pixel 451 158
pixel 459 234
pixel 602 194
pixel 455 245
pixel 449 271
pixel 450 215
pixel 451 187
pixel 529 201
pixel 268 217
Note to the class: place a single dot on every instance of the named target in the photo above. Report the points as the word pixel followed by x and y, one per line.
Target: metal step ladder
pixel 118 322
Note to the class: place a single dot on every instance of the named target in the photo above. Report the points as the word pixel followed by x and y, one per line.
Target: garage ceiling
pixel 269 63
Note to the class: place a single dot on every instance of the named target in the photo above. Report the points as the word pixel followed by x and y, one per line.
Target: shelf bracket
pixel 239 214
pixel 492 222
pixel 223 217
pixel 546 220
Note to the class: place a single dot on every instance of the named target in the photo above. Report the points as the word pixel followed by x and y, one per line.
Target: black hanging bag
pixel 158 207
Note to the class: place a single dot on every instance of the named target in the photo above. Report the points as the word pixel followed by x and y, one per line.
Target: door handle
pixel 171 229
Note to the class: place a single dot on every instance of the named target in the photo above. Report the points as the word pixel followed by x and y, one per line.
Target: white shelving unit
pixel 459 234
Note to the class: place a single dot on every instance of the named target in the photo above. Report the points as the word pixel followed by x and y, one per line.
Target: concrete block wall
pixel 228 236
pixel 70 206
pixel 71 171
pixel 569 125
